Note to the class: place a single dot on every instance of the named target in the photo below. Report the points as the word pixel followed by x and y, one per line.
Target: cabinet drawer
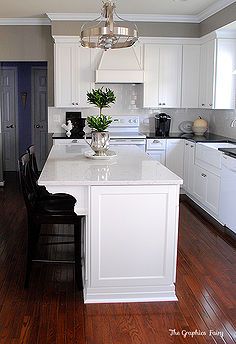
pixel 156 144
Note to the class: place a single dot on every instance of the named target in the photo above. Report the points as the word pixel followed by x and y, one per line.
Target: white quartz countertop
pixel 67 165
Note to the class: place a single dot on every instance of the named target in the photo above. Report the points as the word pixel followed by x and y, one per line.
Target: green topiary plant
pixel 101 99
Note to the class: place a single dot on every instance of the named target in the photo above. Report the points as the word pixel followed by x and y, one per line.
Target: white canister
pixel 200 126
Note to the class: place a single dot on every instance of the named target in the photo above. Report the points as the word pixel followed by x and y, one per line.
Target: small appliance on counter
pixel 200 126
pixel 162 124
pixel 78 124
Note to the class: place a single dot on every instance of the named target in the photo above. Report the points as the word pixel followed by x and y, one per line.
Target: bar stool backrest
pixel 33 160
pixel 26 181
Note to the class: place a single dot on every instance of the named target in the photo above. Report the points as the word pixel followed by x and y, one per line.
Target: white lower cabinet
pixel 170 152
pixel 206 188
pixel 158 155
pixel 133 241
pixel 189 165
pixel 175 156
pixel 156 148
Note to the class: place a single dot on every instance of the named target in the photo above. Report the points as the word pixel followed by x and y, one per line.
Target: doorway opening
pixel 24 111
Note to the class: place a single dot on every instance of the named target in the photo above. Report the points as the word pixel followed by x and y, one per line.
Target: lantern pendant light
pixel 109 31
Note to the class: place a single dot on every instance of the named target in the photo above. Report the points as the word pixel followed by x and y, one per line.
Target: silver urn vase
pixel 99 142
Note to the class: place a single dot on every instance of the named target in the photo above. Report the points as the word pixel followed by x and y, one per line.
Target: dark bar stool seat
pixel 50 210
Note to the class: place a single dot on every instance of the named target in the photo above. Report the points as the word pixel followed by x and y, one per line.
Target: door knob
pixel 38 126
pixel 10 126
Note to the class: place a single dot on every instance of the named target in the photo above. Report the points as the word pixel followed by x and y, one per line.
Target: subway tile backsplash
pixel 129 102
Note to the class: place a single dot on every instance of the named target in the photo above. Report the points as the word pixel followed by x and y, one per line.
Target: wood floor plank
pixel 52 311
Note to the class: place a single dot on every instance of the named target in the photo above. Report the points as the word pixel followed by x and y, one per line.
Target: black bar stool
pixel 39 189
pixel 48 210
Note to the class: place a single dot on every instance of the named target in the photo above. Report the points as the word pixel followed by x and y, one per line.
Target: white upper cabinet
pixel 73 75
pixel 162 75
pixel 190 76
pixel 225 92
pixel 207 67
pixel 217 89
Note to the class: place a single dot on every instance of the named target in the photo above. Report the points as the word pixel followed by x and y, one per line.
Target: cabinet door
pixel 158 155
pixel 175 156
pixel 85 76
pixel 207 68
pixel 122 252
pixel 200 184
pixel 225 96
pixel 151 75
pixel 189 166
pixel 190 76
pixel 170 75
pixel 73 75
pixel 162 75
pixel 66 72
pixel 213 192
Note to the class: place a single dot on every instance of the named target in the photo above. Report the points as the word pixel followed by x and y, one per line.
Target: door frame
pixel 15 69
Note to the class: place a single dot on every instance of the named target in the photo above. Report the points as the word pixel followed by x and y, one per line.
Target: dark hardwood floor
pixel 52 311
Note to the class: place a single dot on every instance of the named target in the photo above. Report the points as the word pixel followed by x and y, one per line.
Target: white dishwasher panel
pixel 227 206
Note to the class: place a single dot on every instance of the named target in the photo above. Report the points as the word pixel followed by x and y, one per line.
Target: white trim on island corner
pixel 161 294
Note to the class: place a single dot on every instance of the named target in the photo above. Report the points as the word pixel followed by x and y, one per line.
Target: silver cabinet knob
pixel 159 103
pixel 203 104
pixel 203 175
pixel 155 141
pixel 73 103
pixel 163 103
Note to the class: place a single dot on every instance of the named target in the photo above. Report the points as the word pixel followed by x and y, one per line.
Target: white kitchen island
pixel 129 239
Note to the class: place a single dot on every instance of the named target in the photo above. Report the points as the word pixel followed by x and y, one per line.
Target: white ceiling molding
pixel 25 21
pixel 213 9
pixel 130 17
pixel 198 18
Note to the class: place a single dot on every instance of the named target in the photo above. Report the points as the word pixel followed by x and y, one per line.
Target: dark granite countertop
pixel 208 137
pixel 63 136
pixel 229 151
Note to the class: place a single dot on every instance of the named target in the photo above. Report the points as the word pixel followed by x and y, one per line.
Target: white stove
pixel 124 130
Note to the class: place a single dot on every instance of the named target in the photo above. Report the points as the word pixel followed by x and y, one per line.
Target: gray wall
pixel 28 43
pixel 72 28
pixel 222 18
pixel 34 43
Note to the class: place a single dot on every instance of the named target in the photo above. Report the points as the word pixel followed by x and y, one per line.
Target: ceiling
pixel 37 9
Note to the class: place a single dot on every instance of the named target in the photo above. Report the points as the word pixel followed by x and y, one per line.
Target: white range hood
pixel 120 66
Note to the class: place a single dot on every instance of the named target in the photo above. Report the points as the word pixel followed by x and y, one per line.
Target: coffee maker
pixel 78 124
pixel 162 124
